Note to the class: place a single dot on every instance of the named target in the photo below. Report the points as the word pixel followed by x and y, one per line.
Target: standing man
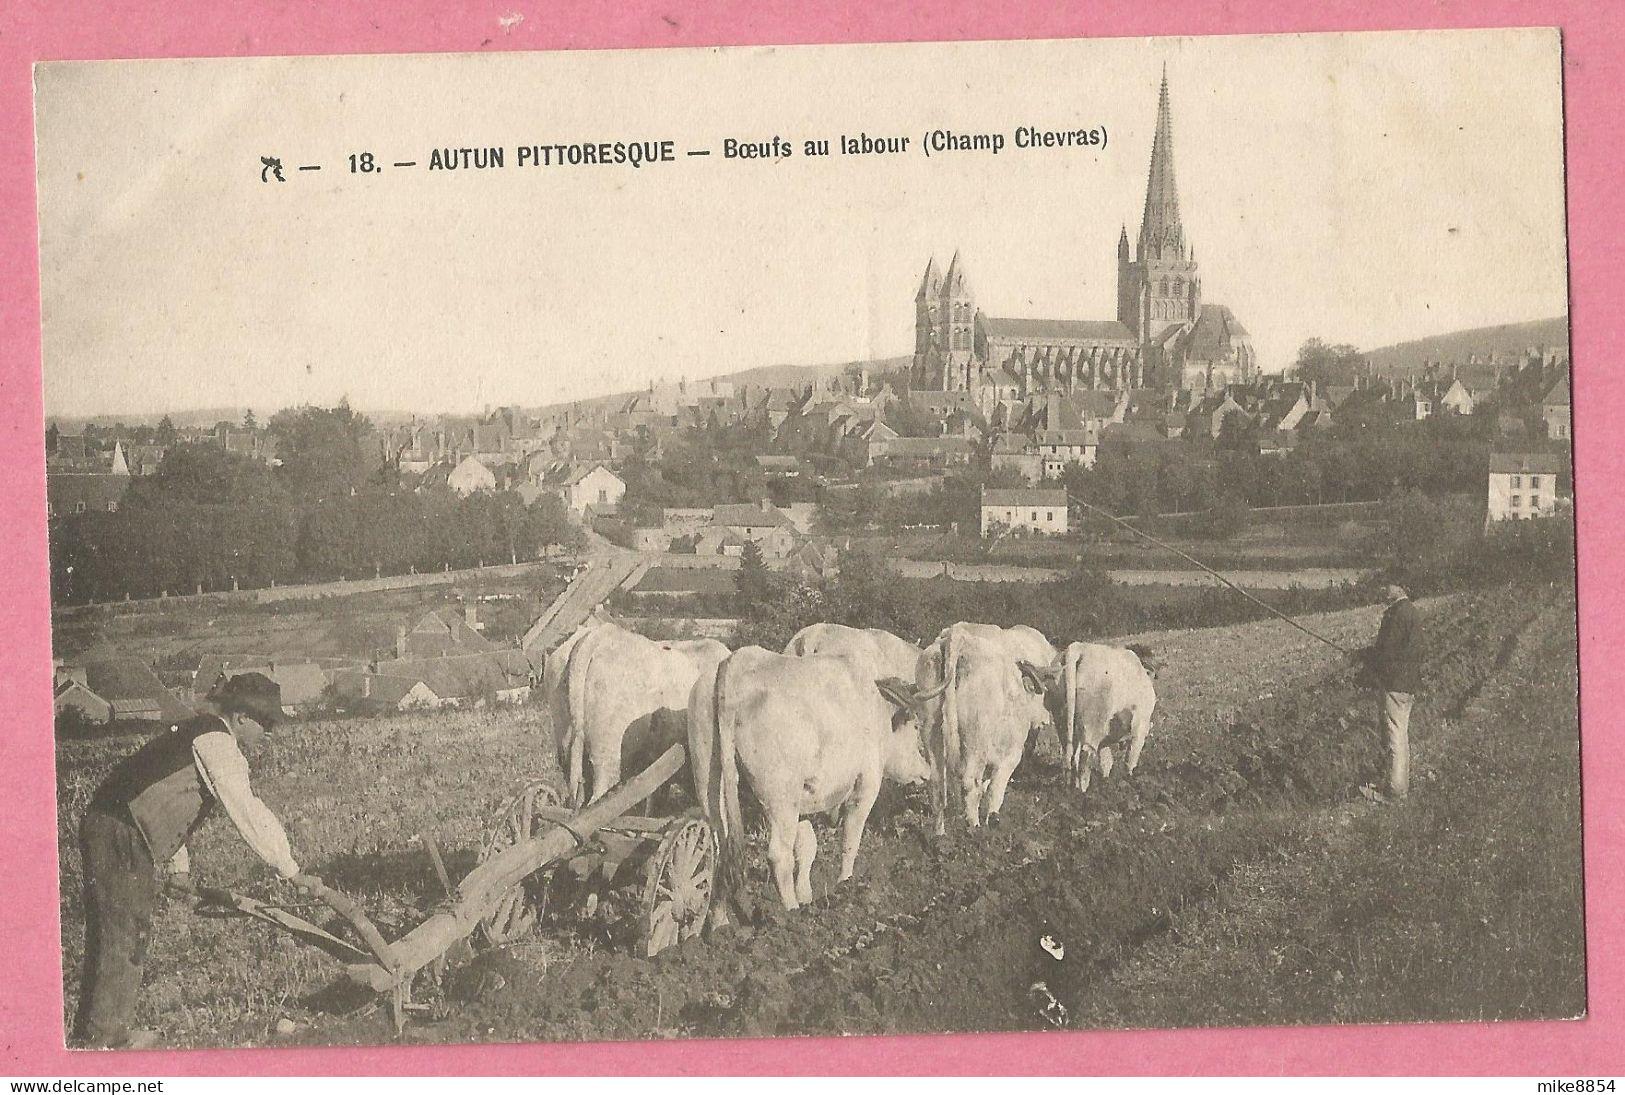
pixel 1392 663
pixel 142 815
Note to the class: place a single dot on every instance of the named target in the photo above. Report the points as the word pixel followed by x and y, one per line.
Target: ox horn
pixel 1148 657
pixel 1037 679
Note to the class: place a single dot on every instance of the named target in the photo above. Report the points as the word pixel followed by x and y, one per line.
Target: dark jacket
pixel 1396 657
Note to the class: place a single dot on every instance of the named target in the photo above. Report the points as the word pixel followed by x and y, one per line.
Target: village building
pixel 762 524
pixel 583 484
pixel 1523 485
pixel 1027 510
pixel 68 493
pixel 471 476
pixel 123 681
pixel 1556 411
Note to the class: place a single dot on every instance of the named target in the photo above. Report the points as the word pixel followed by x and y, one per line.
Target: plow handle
pixel 347 908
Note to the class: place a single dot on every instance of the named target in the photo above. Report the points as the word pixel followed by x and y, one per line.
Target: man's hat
pixel 251 694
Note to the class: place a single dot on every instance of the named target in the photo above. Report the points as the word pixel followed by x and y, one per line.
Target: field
pixel 1238 879
pixel 175 635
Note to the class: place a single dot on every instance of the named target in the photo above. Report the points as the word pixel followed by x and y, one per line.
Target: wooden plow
pixel 532 834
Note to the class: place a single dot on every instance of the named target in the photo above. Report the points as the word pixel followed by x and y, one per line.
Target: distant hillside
pixel 206 416
pixel 766 376
pixel 1460 346
pixel 789 376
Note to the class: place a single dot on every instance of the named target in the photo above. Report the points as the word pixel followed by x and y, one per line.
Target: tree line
pixel 219 520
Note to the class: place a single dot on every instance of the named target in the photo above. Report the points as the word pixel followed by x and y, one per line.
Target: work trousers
pixel 1394 722
pixel 120 894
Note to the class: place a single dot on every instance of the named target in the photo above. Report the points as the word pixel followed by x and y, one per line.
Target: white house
pixel 583 485
pixel 1031 510
pixel 1523 485
pixel 1059 448
pixel 471 476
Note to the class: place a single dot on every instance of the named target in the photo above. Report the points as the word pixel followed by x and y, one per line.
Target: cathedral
pixel 1164 335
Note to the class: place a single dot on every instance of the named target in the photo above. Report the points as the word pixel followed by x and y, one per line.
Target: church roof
pixel 1049 330
pixel 953 283
pixel 1215 331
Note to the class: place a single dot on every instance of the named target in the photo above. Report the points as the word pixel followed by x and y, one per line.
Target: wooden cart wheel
pixel 515 911
pixel 677 884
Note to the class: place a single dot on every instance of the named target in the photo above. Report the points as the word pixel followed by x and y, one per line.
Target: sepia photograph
pixel 908 538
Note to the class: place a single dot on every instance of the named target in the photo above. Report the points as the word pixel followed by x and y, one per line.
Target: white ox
pixel 813 734
pixel 627 699
pixel 555 691
pixel 888 655
pixel 992 704
pixel 1098 696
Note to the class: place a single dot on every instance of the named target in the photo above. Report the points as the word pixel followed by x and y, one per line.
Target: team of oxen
pixel 819 728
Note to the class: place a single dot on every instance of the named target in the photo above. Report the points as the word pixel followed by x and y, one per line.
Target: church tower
pixel 944 328
pixel 1159 287
pixel 927 329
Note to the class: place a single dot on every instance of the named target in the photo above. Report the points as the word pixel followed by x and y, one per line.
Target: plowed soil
pixel 1237 878
pixel 1262 739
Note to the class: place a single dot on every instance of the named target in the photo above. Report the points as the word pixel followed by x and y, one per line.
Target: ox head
pixel 1046 684
pixel 1148 658
pixel 905 762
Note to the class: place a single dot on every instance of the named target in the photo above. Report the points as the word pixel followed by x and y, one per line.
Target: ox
pixel 813 734
pixel 555 694
pixel 992 704
pixel 880 650
pixel 627 698
pixel 1098 696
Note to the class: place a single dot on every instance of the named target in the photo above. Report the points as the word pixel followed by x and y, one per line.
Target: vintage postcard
pixel 827 540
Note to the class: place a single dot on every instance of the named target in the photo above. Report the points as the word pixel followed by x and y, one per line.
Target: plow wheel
pixel 516 910
pixel 677 884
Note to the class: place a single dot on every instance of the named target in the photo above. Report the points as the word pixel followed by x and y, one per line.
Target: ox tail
pixel 948 761
pixel 576 693
pixel 1069 733
pixel 729 818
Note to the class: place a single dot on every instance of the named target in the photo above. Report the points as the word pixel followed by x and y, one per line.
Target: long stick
pixel 1197 562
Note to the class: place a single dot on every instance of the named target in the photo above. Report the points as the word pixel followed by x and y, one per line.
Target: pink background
pixel 30 988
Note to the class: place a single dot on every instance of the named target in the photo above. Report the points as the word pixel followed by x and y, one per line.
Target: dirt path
pixel 1260 731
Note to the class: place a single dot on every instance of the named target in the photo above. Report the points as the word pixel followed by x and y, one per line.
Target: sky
pixel 1361 188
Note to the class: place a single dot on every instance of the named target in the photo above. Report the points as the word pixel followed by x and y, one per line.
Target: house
pixel 1015 452
pixel 470 476
pixel 129 686
pixel 721 540
pixel 762 524
pixel 73 695
pixel 1042 511
pixel 458 680
pixel 444 631
pixel 69 493
pixel 812 561
pixel 1061 448
pixel 924 453
pixel 581 484
pixel 1556 410
pixel 402 692
pixel 1523 485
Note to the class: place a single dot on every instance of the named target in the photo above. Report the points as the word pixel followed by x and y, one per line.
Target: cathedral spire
pixel 931 284
pixel 1161 234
